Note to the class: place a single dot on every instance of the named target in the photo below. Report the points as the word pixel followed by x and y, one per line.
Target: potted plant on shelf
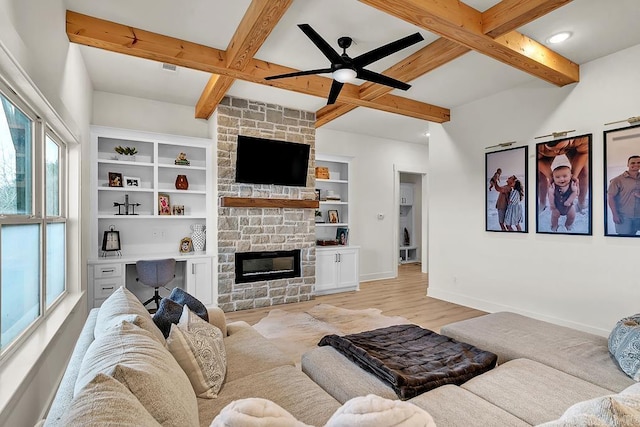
pixel 126 153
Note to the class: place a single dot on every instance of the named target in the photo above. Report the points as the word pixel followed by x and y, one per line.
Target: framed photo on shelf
pixel 332 215
pixel 621 169
pixel 177 209
pixel 115 179
pixel 164 204
pixel 131 181
pixel 342 236
pixel 506 198
pixel 186 245
pixel 563 182
pixel 317 194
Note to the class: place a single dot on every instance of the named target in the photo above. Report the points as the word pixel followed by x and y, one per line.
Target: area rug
pixel 298 332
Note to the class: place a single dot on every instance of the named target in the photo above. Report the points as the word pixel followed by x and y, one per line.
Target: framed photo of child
pixel 621 182
pixel 563 186
pixel 506 190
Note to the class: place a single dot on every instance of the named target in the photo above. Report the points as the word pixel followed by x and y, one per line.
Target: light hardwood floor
pixel 404 296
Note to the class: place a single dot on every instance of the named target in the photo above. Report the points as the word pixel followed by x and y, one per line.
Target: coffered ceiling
pixel 471 50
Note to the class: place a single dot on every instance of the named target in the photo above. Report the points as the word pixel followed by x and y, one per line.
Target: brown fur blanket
pixel 411 359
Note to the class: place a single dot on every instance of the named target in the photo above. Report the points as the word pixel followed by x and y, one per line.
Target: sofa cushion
pixel 255 412
pixel 622 409
pixel 531 391
pixel 513 336
pixel 124 305
pixel 134 357
pixel 106 402
pixel 246 347
pixel 198 348
pixel 284 385
pixel 170 309
pixel 452 405
pixel 624 345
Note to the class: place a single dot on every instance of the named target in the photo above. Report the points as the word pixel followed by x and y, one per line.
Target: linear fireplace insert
pixel 271 265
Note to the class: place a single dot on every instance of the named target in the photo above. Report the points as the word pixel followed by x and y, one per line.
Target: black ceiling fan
pixel 344 68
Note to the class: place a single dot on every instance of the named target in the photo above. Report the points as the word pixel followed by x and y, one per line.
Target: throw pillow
pixel 198 347
pixel 255 412
pixel 170 309
pixel 372 410
pixel 105 401
pixel 624 345
pixel 124 305
pixel 180 296
pixel 168 313
pixel 134 357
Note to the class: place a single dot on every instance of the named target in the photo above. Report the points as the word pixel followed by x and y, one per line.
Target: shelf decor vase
pixel 198 237
pixel 182 183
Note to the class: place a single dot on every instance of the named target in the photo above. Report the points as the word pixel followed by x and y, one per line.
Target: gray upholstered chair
pixel 156 273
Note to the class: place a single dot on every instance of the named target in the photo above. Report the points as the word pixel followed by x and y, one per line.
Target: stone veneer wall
pixel 263 229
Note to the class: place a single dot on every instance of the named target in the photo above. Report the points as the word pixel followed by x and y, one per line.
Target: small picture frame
pixel 177 209
pixel 342 236
pixel 131 181
pixel 186 245
pixel 332 215
pixel 115 179
pixel 164 204
pixel 317 194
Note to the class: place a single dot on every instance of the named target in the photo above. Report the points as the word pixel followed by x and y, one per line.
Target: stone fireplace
pixel 275 228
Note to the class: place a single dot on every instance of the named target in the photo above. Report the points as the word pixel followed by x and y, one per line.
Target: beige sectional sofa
pixel 543 370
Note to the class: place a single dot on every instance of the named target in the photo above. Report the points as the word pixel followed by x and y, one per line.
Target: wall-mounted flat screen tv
pixel 268 161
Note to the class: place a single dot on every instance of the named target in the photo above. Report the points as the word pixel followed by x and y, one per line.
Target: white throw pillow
pixel 198 347
pixel 372 410
pixel 255 412
pixel 124 305
pixel 106 402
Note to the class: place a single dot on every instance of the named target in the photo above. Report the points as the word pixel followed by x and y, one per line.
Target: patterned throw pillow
pixel 198 347
pixel 624 345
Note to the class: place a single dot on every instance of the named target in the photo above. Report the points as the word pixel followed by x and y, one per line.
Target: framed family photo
pixel 505 188
pixel 131 181
pixel 115 179
pixel 622 182
pixel 563 186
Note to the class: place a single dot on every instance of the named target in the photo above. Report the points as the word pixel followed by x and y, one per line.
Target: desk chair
pixel 154 274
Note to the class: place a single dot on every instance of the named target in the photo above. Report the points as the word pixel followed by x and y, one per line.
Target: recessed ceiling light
pixel 427 134
pixel 559 38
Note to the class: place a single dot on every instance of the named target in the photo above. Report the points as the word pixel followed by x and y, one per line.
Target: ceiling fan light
pixel 344 75
pixel 559 38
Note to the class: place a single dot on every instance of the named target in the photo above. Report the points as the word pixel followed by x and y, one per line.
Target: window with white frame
pixel 33 184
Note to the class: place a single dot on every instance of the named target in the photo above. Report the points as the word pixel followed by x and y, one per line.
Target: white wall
pixel 372 181
pixel 588 282
pixel 37 60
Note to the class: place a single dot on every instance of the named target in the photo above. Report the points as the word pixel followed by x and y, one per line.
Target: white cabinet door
pixel 199 283
pixel 347 268
pixel 406 194
pixel 326 270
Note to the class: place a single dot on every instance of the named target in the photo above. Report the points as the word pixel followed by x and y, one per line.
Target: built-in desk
pixel 193 274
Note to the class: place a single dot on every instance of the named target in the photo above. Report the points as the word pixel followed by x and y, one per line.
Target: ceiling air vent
pixel 169 67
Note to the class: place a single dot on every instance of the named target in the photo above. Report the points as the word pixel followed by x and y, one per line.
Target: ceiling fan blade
pixel 386 50
pixel 300 73
pixel 324 47
pixel 336 87
pixel 382 79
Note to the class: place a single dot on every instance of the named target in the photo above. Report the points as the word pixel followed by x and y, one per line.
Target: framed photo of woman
pixel 333 216
pixel 563 182
pixel 622 182
pixel 505 189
